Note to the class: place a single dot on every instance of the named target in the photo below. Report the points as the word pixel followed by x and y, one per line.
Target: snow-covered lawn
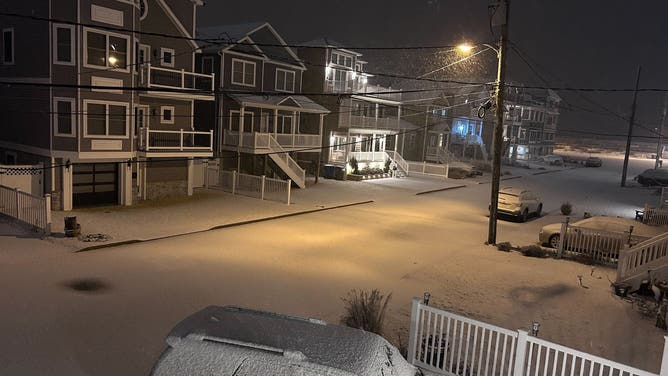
pixel 402 243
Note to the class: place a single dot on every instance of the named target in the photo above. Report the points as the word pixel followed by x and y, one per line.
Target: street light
pixel 465 47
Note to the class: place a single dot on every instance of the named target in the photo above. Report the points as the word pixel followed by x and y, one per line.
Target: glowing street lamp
pixel 465 47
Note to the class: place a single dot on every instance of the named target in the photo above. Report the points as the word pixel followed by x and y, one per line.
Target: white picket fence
pixel 448 344
pixel 26 208
pixel 602 246
pixel 655 216
pixel 260 187
pixel 426 168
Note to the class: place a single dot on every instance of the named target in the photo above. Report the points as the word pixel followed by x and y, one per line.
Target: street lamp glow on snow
pixel 465 47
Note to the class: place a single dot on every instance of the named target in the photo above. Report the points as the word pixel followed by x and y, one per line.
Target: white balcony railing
pixel 374 122
pixel 260 140
pixel 181 140
pixel 165 78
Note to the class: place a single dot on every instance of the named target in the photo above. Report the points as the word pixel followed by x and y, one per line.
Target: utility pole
pixel 631 122
pixel 659 142
pixel 498 129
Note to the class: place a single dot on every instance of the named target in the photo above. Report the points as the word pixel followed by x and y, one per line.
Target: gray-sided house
pixel 103 98
pixel 264 125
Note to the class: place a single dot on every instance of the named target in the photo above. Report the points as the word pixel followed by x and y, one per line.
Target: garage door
pixel 94 184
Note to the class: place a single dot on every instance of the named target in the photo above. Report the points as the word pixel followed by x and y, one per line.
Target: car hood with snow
pixel 245 342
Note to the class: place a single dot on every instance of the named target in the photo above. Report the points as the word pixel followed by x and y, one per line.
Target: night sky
pixel 581 43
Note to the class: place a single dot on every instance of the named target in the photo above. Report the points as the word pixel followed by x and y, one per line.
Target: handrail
pixel 635 260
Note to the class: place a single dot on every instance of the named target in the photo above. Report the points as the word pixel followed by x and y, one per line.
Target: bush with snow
pixel 365 310
pixel 566 208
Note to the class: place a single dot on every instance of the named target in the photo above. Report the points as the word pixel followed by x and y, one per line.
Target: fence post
pixel 412 334
pixel 234 181
pixel 562 236
pixel 181 139
pixel 424 166
pixel 264 179
pixel 289 189
pixel 520 352
pixel 447 169
pixel 47 216
pixel 664 359
pixel 630 234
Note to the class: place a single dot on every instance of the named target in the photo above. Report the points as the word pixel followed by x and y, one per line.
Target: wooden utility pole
pixel 630 135
pixel 497 143
pixel 659 148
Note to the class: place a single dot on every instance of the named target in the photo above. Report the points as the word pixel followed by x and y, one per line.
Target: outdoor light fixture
pixel 113 60
pixel 426 297
pixel 534 328
pixel 465 47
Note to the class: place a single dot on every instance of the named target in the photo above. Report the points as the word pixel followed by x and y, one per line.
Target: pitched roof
pixel 327 43
pixel 232 33
pixel 299 102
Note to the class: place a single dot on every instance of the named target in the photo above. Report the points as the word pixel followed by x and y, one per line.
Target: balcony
pixel 174 83
pixel 370 122
pixel 261 142
pixel 182 142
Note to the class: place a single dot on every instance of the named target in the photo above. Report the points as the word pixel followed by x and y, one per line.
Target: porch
pixel 171 83
pixel 165 143
pixel 261 142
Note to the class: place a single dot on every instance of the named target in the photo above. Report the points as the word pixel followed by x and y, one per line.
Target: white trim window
pixel 8 46
pixel 167 114
pixel 63 44
pixel 235 121
pixel 285 80
pixel 105 119
pixel 167 57
pixel 243 72
pixel 63 116
pixel 106 50
pixel 342 60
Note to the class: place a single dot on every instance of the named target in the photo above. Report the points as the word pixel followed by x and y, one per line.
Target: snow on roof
pixel 328 43
pixel 228 32
pixel 333 346
pixel 298 101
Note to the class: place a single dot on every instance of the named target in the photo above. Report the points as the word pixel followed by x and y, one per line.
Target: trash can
pixel 72 228
pixel 329 171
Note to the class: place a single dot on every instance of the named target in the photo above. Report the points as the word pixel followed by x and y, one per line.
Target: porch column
pixel 125 183
pixel 396 141
pixel 346 154
pixel 294 126
pixel 275 122
pixel 242 116
pixel 373 146
pixel 67 187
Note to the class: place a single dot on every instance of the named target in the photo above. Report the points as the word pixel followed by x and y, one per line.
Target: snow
pixel 303 265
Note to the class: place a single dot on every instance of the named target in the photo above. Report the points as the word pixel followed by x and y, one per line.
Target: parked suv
pixel 244 342
pixel 593 162
pixel 519 203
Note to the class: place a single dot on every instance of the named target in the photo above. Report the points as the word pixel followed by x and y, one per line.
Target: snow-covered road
pixel 303 265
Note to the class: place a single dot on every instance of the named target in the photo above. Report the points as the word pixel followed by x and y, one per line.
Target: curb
pixel 235 224
pixel 441 189
pixel 502 179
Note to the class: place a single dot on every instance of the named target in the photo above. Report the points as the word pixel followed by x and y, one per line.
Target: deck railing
pixel 260 140
pixel 260 187
pixel 26 208
pixel 635 263
pixel 448 344
pixel 181 140
pixel 166 78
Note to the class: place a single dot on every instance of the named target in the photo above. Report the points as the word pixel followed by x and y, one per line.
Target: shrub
pixel 566 208
pixel 504 247
pixel 366 170
pixel 354 165
pixel 388 162
pixel 365 310
pixel 533 251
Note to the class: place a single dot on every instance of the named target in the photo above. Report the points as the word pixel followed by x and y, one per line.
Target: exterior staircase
pixel 446 157
pixel 402 165
pixel 286 163
pixel 645 261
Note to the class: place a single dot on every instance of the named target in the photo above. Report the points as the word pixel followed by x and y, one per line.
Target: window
pixel 243 72
pixel 339 143
pixel 143 9
pixel 10 157
pixel 106 119
pixel 64 116
pixel 106 50
pixel 249 118
pixel 143 54
pixel 285 80
pixel 8 46
pixel 284 124
pixel 525 114
pixel 346 61
pixel 166 57
pixel 167 114
pixel 207 64
pixel 63 44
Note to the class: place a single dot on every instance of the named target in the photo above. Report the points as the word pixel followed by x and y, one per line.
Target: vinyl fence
pixel 260 187
pixel 655 216
pixel 602 246
pixel 424 168
pixel 453 345
pixel 26 208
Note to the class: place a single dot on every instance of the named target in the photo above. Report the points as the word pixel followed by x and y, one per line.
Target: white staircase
pixel 402 165
pixel 446 157
pixel 286 163
pixel 647 260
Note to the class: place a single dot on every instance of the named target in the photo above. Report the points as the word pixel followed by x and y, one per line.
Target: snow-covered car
pixel 593 162
pixel 244 342
pixel 552 159
pixel 653 177
pixel 550 235
pixel 519 203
